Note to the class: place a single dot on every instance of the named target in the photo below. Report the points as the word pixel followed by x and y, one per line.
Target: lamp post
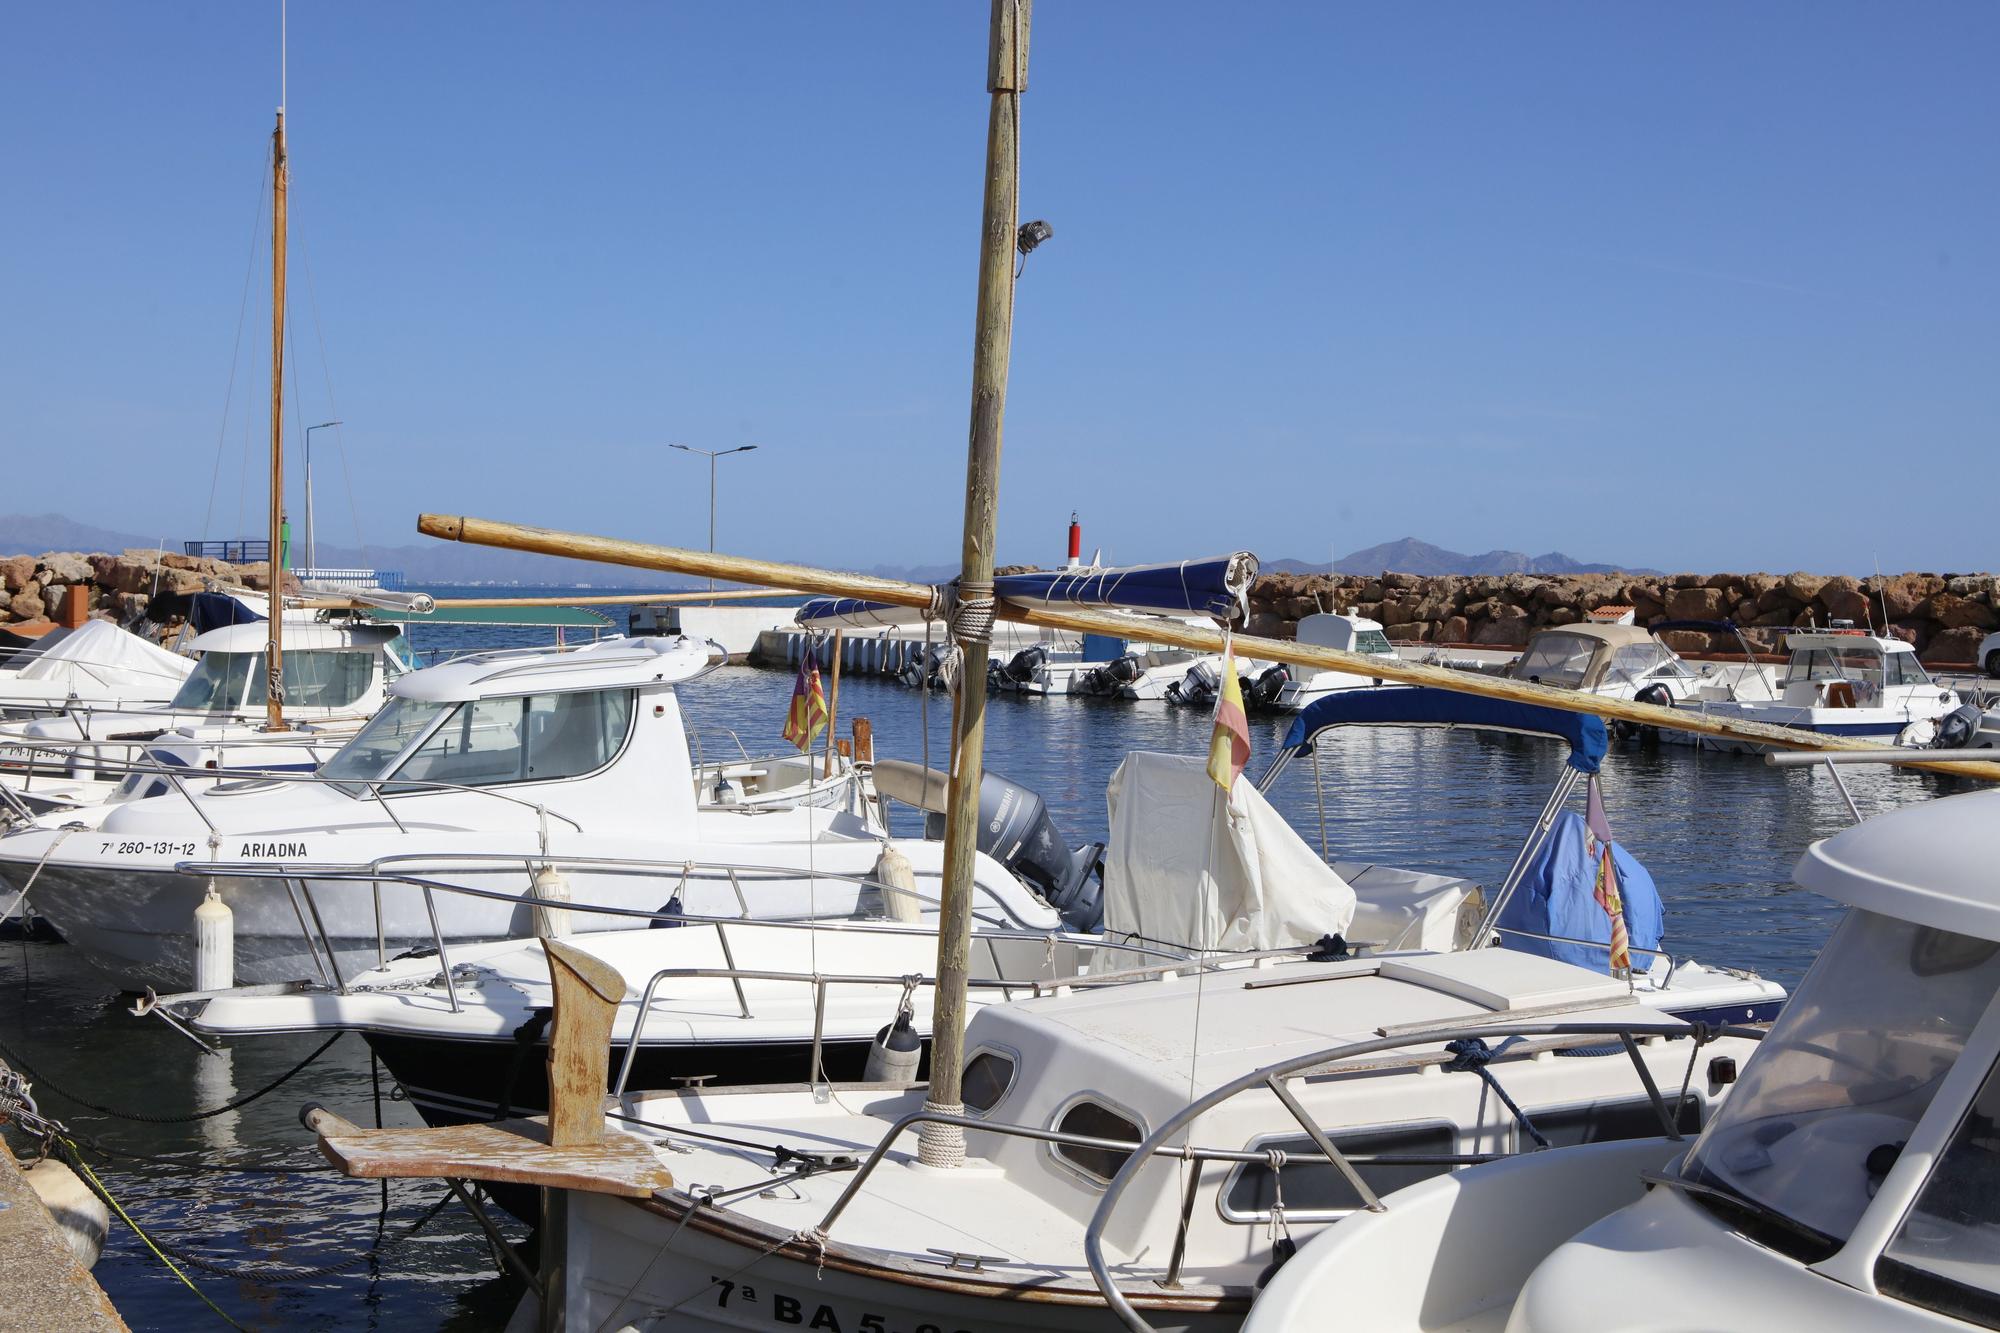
pixel 312 556
pixel 712 455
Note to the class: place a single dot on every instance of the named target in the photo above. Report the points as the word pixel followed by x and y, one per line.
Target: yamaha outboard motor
pixel 1022 667
pixel 1199 686
pixel 1270 683
pixel 1956 729
pixel 1015 830
pixel 1107 678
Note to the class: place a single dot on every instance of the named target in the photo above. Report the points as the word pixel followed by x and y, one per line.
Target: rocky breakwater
pixel 1944 615
pixel 132 588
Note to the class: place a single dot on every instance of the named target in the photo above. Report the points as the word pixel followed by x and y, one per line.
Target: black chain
pixel 235 1103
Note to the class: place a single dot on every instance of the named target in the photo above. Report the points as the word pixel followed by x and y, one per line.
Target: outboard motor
pixel 1199 686
pixel 1107 678
pixel 1270 683
pixel 1022 667
pixel 1957 729
pixel 1015 830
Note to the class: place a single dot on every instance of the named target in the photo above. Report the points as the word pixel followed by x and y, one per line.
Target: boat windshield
pixel 1816 664
pixel 1848 1069
pixel 1557 659
pixel 235 682
pixel 1373 641
pixel 1946 1255
pixel 1639 663
pixel 373 752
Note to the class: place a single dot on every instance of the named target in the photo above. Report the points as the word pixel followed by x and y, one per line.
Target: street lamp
pixel 712 455
pixel 312 556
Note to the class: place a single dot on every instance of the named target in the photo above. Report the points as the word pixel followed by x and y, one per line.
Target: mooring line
pixel 233 1104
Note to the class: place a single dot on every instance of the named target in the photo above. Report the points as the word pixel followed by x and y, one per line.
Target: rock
pixel 1564 615
pixel 129 608
pixel 1902 594
pixel 1409 631
pixel 1722 582
pixel 1269 625
pixel 27 605
pixel 1915 632
pixel 1400 581
pixel 1953 647
pixel 1802 586
pixel 1778 598
pixel 1778 617
pixel 16 570
pixel 1504 631
pixel 1952 611
pixel 1843 599
pixel 1698 603
pixel 67 567
pixel 1745 612
pixel 1457 629
pixel 1756 585
pixel 1973 585
pixel 1686 640
pixel 1297 608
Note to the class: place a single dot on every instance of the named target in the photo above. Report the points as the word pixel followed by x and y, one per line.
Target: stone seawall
pixel 1944 615
pixel 131 588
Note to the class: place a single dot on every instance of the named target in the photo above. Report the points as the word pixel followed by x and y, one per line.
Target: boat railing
pixel 421 872
pixel 1350 1058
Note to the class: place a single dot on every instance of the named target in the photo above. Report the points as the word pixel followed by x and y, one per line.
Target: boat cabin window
pixel 986 1080
pixel 314 678
pixel 1319 1189
pixel 1373 641
pixel 1639 663
pixel 1849 1068
pixel 1097 1121
pixel 1816 664
pixel 376 747
pixel 1557 659
pixel 1607 1122
pixel 1946 1255
pixel 1904 669
pixel 529 738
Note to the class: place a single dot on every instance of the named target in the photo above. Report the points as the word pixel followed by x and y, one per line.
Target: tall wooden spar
pixel 274 683
pixel 972 621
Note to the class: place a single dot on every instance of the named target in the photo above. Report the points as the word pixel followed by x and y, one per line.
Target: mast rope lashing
pixel 941 1145
pixel 972 615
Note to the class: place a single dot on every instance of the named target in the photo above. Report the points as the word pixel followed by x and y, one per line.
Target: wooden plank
pixel 587 992
pixel 514 1152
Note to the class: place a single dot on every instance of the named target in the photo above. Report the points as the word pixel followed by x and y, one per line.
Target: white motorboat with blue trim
pixel 1838 682
pixel 1847 1182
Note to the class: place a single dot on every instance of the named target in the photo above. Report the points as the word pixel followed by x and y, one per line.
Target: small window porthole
pixel 1095 1121
pixel 986 1080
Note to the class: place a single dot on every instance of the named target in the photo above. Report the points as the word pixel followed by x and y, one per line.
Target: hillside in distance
pixel 1410 556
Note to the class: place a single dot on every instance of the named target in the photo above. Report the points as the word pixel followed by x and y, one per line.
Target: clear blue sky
pixel 1706 286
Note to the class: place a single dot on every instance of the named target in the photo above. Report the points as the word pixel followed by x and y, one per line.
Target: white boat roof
pixel 1615 635
pixel 1930 863
pixel 1846 641
pixel 615 663
pixel 98 643
pixel 253 635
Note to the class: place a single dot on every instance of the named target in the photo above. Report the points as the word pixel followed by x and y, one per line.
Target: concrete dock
pixel 43 1289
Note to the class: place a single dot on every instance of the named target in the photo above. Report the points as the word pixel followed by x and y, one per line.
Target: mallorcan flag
pixel 1597 846
pixel 1229 744
pixel 807 716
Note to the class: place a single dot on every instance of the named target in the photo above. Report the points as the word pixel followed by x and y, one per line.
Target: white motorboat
pixel 1838 682
pixel 1618 661
pixel 337 676
pixel 1346 632
pixel 95 665
pixel 488 767
pixel 1847 1182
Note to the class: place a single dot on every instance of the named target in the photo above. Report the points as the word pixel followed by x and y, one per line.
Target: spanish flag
pixel 1229 745
pixel 807 715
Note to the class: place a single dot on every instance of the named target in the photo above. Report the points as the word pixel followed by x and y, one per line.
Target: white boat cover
pixel 97 654
pixel 1185 868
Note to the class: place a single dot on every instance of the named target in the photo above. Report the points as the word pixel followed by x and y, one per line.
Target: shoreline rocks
pixel 130 588
pixel 1944 615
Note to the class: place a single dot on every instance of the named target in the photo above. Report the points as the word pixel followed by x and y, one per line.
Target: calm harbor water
pixel 1719 833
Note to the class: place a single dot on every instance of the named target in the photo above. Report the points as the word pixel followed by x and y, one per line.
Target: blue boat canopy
pixel 214 610
pixel 1211 587
pixel 1421 706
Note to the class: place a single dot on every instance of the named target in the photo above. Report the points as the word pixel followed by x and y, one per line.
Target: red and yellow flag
pixel 1229 745
pixel 807 716
pixel 1607 894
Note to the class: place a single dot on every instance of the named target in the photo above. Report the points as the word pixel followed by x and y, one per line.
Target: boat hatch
pixel 1504 979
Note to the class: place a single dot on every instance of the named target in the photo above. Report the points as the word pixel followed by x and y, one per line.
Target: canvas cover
pixel 1557 897
pixel 1188 869
pixel 97 655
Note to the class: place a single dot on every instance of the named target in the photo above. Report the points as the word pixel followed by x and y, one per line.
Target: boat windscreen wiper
pixel 1813 1244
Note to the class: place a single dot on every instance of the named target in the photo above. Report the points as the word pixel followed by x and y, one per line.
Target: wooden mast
pixel 972 620
pixel 274 681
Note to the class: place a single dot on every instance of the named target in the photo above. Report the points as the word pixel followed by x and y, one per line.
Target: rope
pixel 97 1186
pixel 236 353
pixel 941 1145
pixel 256 1274
pixel 1470 1053
pixel 972 617
pixel 22 896
pixel 234 1103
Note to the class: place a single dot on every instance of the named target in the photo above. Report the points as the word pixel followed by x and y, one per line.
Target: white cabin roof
pixel 251 637
pixel 1930 863
pixel 615 663
pixel 1327 629
pixel 1799 641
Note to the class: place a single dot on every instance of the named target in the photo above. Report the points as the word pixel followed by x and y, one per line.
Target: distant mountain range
pixel 1410 556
